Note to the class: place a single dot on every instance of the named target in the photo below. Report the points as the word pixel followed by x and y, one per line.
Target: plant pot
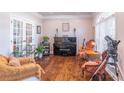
pixel 40 55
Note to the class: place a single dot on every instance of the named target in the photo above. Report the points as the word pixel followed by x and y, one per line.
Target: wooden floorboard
pixel 62 68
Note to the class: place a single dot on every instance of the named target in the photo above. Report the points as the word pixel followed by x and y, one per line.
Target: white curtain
pixel 104 26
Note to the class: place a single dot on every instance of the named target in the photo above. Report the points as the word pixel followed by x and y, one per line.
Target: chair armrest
pixel 13 69
pixel 19 69
pixel 90 67
pixel 16 73
pixel 90 64
pixel 86 66
pixel 24 60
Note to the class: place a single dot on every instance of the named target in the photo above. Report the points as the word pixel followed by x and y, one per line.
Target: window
pixel 105 25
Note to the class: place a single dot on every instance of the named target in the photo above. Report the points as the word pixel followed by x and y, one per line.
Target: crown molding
pixel 67 17
pixel 37 15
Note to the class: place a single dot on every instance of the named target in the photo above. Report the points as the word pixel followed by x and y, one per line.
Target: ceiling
pixel 64 13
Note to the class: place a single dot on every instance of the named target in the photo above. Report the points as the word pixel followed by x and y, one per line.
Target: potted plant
pixel 39 51
pixel 45 39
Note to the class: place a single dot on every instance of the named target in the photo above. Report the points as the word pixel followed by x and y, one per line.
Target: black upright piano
pixel 64 46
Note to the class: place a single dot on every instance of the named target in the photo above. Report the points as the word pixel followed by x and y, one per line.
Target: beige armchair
pixel 27 69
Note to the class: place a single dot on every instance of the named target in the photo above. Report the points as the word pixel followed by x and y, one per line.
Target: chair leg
pixel 82 73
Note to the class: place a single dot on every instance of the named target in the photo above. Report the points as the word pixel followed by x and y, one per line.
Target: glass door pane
pixel 17 37
pixel 28 39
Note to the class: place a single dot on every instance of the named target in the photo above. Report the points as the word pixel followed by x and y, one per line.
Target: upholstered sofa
pixel 26 68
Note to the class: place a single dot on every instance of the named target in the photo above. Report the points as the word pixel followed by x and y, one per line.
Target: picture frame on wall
pixel 65 27
pixel 38 29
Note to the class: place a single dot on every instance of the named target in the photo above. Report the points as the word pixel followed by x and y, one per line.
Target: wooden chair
pixel 88 50
pixel 90 67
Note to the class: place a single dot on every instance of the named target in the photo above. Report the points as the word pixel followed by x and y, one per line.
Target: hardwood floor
pixel 61 68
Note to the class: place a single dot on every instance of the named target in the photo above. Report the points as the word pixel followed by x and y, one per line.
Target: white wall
pixel 120 36
pixel 31 17
pixel 83 27
pixel 4 33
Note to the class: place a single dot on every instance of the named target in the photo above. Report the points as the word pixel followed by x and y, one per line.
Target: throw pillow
pixel 14 62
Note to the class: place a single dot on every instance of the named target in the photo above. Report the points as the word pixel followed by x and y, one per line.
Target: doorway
pixel 22 43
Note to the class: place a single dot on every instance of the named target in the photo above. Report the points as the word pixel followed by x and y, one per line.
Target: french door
pixel 22 38
pixel 29 42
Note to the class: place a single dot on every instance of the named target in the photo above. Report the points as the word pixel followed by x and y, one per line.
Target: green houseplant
pixel 45 38
pixel 39 51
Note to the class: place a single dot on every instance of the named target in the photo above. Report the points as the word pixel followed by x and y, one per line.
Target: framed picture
pixel 38 29
pixel 65 27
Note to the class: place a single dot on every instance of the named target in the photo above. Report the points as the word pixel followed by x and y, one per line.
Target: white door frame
pixel 24 30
